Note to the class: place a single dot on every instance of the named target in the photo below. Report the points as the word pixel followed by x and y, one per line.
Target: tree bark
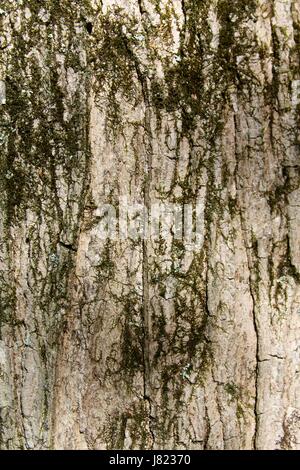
pixel 129 343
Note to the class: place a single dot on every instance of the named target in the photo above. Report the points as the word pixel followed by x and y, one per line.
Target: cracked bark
pixel 134 343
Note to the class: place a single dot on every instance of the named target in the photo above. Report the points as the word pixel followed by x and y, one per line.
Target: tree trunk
pixel 140 342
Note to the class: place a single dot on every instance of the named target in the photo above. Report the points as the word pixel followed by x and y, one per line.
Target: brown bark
pixel 130 343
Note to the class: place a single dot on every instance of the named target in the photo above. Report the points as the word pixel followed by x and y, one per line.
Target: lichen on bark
pixel 133 343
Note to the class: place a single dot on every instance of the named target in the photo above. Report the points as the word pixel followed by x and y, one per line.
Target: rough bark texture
pixel 147 344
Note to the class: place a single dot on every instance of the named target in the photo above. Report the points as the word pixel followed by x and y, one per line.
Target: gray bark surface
pixel 130 344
